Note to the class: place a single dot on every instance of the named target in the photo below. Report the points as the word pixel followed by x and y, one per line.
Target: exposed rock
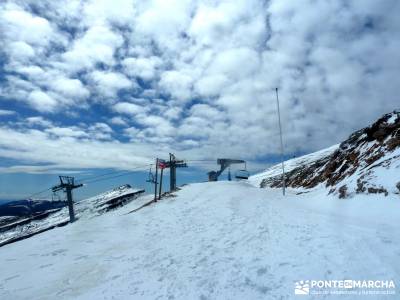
pixel 393 143
pixel 373 190
pixel 364 150
pixel 343 192
pixel 361 186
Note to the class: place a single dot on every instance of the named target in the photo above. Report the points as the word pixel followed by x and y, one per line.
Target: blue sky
pixel 89 86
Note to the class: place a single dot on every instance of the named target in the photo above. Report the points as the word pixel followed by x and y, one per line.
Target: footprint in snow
pixel 45 266
pixel 12 277
pixel 262 271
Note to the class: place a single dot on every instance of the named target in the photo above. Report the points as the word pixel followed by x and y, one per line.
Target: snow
pixel 218 240
pixel 382 173
pixel 392 118
pixel 291 164
pixel 57 217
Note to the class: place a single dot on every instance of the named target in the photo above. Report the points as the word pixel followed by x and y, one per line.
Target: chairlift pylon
pixel 150 177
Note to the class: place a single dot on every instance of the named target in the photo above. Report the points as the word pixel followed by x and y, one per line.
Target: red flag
pixel 162 164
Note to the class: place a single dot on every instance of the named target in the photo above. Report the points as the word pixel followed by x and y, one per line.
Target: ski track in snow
pixel 223 240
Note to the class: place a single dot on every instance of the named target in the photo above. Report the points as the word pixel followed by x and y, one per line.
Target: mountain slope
pixel 367 162
pixel 218 240
pixel 12 229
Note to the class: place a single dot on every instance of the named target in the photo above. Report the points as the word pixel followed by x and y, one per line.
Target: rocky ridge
pixel 367 162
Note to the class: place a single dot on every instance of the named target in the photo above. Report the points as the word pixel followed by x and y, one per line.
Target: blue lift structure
pixel 225 163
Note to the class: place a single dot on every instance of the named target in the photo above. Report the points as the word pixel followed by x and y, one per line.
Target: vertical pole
pixel 171 186
pixel 161 178
pixel 155 183
pixel 280 133
pixel 70 204
pixel 174 172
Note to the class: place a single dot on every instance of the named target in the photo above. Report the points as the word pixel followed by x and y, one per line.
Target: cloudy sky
pixel 114 83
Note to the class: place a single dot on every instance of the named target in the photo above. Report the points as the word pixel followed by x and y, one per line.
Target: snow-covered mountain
pixel 28 207
pixel 368 162
pixel 15 229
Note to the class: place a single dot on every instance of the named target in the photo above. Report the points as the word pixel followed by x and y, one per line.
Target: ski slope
pixel 218 240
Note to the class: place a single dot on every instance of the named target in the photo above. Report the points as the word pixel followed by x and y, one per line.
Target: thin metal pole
pixel 171 174
pixel 161 177
pixel 280 133
pixel 155 182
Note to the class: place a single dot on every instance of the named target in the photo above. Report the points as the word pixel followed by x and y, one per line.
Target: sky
pixel 89 86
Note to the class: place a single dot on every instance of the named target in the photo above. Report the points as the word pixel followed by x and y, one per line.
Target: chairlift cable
pixel 120 173
pixel 38 193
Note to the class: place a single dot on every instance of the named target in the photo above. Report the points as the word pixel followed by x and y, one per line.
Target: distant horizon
pixel 32 183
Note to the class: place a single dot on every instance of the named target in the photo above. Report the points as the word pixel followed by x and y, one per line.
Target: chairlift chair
pixel 55 196
pixel 242 174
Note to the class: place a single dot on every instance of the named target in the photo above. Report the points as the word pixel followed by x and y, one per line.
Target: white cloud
pixel 103 127
pixel 211 85
pixel 40 121
pixel 23 26
pixel 20 51
pixel 236 63
pixel 129 108
pixel 195 73
pixel 5 112
pixel 177 84
pixel 157 128
pixel 118 121
pixel 71 88
pixel 100 131
pixel 30 71
pixel 41 101
pixel 162 20
pixel 46 169
pixel 142 67
pixel 107 84
pixel 67 132
pixel 172 113
pixel 118 12
pixel 131 132
pixel 64 148
pixel 97 45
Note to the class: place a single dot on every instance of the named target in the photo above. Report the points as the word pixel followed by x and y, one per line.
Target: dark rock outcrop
pixel 24 208
pixel 363 151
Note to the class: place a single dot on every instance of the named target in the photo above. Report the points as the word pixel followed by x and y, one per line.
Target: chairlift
pixel 55 196
pixel 242 174
pixel 150 177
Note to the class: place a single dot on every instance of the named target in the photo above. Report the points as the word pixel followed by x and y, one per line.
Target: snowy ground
pixel 222 240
